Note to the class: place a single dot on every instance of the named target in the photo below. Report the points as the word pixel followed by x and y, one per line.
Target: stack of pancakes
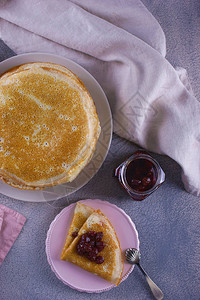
pixel 49 126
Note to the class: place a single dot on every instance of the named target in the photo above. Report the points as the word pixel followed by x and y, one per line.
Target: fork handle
pixel 158 294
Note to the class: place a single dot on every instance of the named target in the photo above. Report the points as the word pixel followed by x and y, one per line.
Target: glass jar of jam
pixel 140 175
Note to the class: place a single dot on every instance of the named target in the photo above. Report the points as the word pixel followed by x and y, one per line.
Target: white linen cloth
pixel 123 47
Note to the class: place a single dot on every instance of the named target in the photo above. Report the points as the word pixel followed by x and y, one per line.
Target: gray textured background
pixel 167 221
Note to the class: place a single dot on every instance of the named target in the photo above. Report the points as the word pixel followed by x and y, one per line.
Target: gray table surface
pixel 167 221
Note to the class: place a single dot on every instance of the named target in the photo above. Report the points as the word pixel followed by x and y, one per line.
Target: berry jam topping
pixel 90 244
pixel 99 259
pixel 74 234
pixel 141 174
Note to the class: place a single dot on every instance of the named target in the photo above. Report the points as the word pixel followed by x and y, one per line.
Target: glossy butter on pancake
pixel 49 126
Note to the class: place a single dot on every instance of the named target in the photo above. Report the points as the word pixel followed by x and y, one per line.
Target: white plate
pixel 103 144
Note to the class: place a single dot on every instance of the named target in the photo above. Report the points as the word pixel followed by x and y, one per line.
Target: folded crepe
pixel 85 220
pixel 112 267
pixel 81 213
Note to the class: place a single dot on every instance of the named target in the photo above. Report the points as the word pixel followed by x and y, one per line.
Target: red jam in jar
pixel 140 175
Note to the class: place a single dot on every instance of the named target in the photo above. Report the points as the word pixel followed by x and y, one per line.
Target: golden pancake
pixel 49 126
pixel 112 267
pixel 81 213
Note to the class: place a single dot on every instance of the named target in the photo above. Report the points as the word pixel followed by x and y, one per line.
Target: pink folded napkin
pixel 11 223
pixel 123 47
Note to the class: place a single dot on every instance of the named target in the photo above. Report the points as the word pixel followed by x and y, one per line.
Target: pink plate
pixel 74 276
